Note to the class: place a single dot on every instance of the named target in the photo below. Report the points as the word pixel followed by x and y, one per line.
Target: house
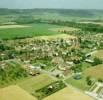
pixel 57 73
pixel 61 67
pixel 34 72
pixel 88 55
pixel 69 63
pixel 57 60
pixel 34 67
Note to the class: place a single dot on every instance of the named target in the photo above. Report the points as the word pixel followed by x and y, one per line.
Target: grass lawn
pixel 95 72
pixel 15 93
pixel 68 93
pixel 31 30
pixel 48 65
pixel 35 83
pixel 85 65
pixel 81 84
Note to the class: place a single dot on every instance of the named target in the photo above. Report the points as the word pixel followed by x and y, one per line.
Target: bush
pixel 49 89
pixel 100 80
pixel 89 81
pixel 97 61
pixel 24 20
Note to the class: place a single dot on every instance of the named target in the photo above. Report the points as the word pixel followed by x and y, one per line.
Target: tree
pixel 24 20
pixel 97 61
pixel 88 80
pixel 100 80
pixel 77 68
pixel 11 72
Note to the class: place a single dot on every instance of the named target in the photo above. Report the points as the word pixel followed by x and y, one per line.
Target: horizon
pixel 48 9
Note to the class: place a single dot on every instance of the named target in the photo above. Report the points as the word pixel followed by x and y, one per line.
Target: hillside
pixel 63 12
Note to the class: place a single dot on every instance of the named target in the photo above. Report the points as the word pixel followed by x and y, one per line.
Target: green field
pixel 95 72
pixel 30 31
pixel 81 84
pixel 35 83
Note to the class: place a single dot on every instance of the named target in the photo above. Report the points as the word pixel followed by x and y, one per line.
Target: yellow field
pixel 13 26
pixel 99 54
pixel 87 22
pixel 60 36
pixel 95 72
pixel 15 93
pixel 68 94
pixel 67 29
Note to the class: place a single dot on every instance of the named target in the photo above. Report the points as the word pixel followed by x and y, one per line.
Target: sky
pixel 66 4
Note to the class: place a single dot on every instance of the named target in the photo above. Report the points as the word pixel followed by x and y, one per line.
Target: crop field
pixel 98 54
pixel 13 26
pixel 36 83
pixel 95 72
pixel 15 93
pixel 31 30
pixel 90 22
pixel 68 93
pixel 57 36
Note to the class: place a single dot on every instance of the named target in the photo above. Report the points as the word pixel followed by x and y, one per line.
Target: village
pixel 62 58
